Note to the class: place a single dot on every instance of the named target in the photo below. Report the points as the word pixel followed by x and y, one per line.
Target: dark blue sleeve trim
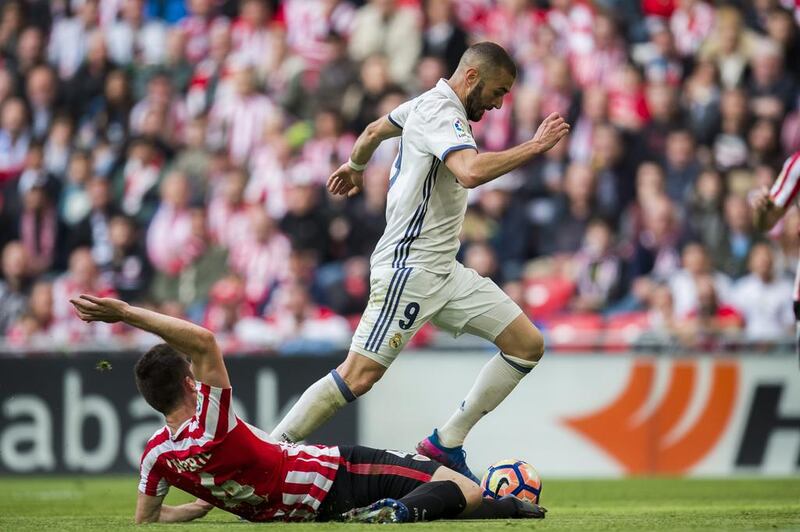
pixel 393 121
pixel 457 148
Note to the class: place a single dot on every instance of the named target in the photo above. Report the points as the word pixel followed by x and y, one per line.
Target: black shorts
pixel 366 475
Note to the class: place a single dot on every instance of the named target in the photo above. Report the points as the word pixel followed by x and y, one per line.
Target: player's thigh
pixel 401 301
pixel 381 473
pixel 477 306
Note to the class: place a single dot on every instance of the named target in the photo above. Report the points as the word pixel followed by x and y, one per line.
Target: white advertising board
pixel 605 415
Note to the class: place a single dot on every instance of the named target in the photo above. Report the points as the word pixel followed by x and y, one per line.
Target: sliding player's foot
pixel 382 511
pixel 527 510
pixel 453 457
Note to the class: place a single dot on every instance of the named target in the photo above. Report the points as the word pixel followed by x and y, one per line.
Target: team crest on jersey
pixel 396 341
pixel 461 130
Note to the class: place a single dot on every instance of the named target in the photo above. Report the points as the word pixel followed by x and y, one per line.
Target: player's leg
pixel 484 310
pixel 399 305
pixel 354 377
pixel 402 487
pixel 521 346
pixel 797 326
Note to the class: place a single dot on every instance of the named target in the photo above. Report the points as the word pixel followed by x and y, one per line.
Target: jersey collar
pixel 178 432
pixel 445 88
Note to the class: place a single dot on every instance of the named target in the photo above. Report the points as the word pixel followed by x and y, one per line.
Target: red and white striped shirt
pixel 784 192
pixel 222 460
pixel 786 186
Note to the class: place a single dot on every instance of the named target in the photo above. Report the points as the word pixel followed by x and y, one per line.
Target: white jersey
pixel 426 204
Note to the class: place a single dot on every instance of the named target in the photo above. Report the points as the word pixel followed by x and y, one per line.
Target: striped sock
pixel 495 381
pixel 316 406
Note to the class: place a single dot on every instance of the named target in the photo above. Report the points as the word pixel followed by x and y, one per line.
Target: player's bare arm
pixel 473 169
pixel 150 509
pixel 348 180
pixel 765 213
pixel 190 339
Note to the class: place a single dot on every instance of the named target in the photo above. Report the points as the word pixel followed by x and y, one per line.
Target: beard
pixel 473 105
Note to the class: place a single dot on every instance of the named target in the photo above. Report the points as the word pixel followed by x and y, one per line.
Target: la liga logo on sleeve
pixel 461 130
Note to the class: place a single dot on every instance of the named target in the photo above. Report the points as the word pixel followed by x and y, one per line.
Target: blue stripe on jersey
pixel 398 161
pixel 417 230
pixel 403 247
pixel 456 148
pixel 393 121
pixel 384 309
pixel 406 273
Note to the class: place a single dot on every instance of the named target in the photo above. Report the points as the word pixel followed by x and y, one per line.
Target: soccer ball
pixel 512 477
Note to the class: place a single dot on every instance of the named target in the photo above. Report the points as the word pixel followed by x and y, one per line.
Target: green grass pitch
pixel 106 503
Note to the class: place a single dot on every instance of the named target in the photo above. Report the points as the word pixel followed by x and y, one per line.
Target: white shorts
pixel 402 300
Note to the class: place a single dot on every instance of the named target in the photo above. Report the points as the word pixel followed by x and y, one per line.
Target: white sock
pixel 316 406
pixel 495 381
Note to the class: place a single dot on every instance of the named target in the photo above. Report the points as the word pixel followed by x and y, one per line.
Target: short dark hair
pixel 489 53
pixel 160 374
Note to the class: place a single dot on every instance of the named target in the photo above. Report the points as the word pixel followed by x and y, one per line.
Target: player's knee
pixel 472 494
pixel 529 347
pixel 359 380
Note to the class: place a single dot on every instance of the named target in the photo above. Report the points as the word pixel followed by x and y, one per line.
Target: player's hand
pixel 760 199
pixel 345 181
pixel 106 309
pixel 550 131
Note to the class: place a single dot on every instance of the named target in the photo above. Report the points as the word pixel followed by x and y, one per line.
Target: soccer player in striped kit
pixel 414 275
pixel 206 450
pixel 771 204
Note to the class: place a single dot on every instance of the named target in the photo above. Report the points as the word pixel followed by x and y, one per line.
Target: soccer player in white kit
pixel 415 277
pixel 771 204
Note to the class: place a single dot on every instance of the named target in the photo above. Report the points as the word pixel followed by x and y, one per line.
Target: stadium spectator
pixel 680 164
pixel 128 271
pixel 655 252
pixel 761 298
pixel 169 236
pixel 574 208
pixel 69 38
pixel 35 328
pixel 41 93
pixel 306 222
pixel 261 260
pixel 730 257
pixel 596 269
pixel 295 325
pixel 704 209
pixel 202 264
pixel 710 321
pixel 74 204
pixel 135 38
pixel 14 284
pixel 89 80
pixel 135 183
pixel 37 224
pixel 386 27
pixel 695 264
pixel 442 36
pixel 82 277
pixel 93 230
pixel 228 220
pixel 15 137
pixel 237 121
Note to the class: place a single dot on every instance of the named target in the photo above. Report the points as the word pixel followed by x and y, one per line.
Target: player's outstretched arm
pixel 765 213
pixel 190 339
pixel 349 180
pixel 473 169
pixel 150 509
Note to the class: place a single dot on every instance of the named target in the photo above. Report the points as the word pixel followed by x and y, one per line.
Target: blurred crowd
pixel 174 153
